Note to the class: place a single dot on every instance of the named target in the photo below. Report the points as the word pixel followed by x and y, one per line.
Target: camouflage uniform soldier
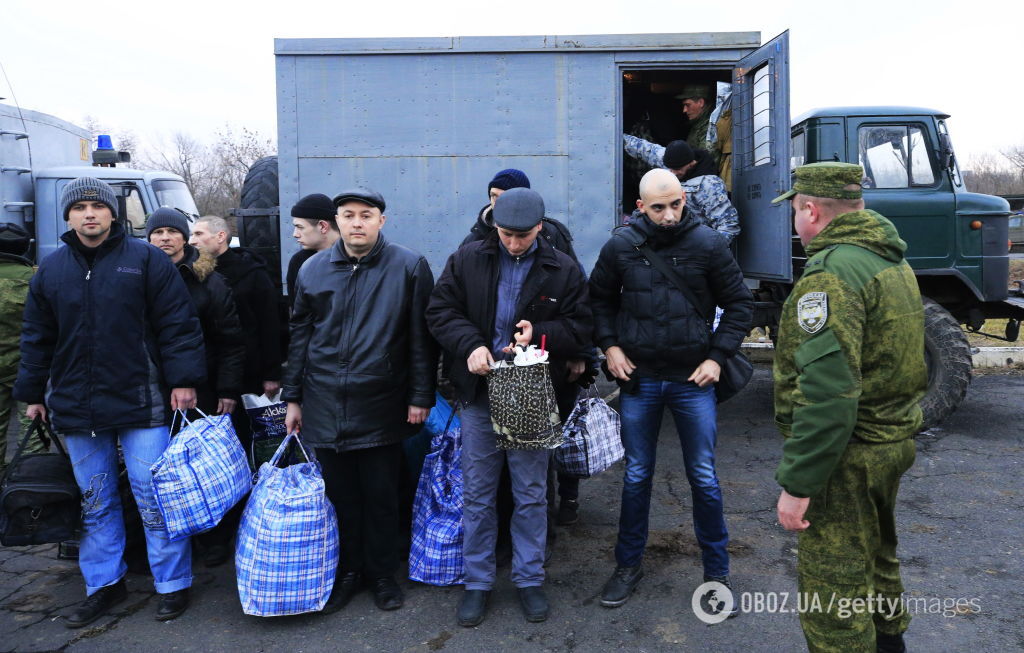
pixel 697 108
pixel 15 272
pixel 848 377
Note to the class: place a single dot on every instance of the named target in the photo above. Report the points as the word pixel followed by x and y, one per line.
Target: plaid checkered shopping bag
pixel 435 554
pixel 201 475
pixel 592 439
pixel 286 556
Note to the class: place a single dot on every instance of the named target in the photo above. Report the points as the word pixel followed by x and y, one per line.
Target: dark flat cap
pixel 364 195
pixel 518 209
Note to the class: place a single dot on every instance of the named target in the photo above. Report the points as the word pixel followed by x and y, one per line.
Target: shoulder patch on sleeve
pixel 812 311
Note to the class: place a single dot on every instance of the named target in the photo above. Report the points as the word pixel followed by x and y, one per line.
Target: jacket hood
pixel 201 263
pixel 14 258
pixel 864 228
pixel 240 262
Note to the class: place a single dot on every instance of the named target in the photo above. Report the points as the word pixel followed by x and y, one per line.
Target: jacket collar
pixel 339 255
pixel 71 239
pixel 544 253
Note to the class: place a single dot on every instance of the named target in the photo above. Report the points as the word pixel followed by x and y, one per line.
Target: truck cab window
pixel 894 156
pixel 797 152
pixel 135 213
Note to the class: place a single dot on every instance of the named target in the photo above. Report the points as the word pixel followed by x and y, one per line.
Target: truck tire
pixel 259 190
pixel 947 353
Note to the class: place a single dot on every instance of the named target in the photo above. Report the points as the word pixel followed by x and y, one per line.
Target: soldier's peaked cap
pixel 826 179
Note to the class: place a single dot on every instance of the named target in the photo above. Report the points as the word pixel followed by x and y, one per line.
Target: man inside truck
pixel 703 190
pixel 697 107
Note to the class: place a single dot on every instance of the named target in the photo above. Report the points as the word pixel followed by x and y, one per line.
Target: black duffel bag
pixel 39 499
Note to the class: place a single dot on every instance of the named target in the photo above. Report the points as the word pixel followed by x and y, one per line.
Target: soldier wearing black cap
pixel 360 379
pixel 15 273
pixel 511 280
pixel 315 229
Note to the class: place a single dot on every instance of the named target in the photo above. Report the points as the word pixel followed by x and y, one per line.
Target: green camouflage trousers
pixel 7 403
pixel 849 551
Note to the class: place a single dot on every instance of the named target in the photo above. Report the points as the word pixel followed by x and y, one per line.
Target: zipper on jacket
pixel 88 274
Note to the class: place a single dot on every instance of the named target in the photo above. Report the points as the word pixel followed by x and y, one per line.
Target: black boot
pixel 472 608
pixel 387 595
pixel 346 585
pixel 622 583
pixel 534 603
pixel 97 604
pixel 172 605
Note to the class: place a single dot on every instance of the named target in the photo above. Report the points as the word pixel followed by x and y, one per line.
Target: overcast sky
pixel 156 68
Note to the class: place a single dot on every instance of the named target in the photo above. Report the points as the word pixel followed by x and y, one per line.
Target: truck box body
pixel 427 122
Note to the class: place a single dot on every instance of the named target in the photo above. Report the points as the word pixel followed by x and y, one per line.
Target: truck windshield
pixel 175 194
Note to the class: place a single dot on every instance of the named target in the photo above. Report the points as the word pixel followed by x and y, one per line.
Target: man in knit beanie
pixel 315 229
pixel 110 346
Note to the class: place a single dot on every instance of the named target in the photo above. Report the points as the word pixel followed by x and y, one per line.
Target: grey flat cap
pixel 519 209
pixel 364 195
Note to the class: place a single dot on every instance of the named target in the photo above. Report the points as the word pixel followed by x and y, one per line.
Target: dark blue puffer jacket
pixel 112 340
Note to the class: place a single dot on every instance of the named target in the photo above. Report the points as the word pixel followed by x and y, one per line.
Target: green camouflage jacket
pixel 15 273
pixel 850 356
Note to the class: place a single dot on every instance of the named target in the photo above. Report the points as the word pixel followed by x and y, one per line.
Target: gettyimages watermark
pixel 713 603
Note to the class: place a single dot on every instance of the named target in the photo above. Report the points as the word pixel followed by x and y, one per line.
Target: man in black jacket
pixel 256 297
pixel 361 377
pixel 168 229
pixel 110 333
pixel 490 288
pixel 663 352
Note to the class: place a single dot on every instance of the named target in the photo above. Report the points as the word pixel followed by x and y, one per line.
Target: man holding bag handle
pixel 511 280
pixel 110 327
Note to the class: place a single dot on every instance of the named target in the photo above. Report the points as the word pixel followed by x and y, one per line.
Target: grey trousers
pixel 481 469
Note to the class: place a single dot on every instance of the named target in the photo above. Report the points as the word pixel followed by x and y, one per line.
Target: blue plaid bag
pixel 201 475
pixel 286 556
pixel 435 554
pixel 593 442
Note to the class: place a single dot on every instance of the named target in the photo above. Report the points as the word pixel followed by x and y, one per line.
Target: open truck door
pixel 761 165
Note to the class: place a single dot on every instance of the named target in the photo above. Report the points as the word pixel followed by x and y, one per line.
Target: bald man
pixel 663 353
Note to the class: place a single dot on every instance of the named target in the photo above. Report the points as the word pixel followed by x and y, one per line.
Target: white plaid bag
pixel 201 475
pixel 592 439
pixel 286 556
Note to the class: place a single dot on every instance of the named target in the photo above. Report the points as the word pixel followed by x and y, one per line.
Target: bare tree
pixel 991 174
pixel 1015 154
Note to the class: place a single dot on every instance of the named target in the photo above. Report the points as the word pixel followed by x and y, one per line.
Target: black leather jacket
pixel 360 353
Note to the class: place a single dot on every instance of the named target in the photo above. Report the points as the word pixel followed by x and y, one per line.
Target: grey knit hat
pixel 88 189
pixel 167 217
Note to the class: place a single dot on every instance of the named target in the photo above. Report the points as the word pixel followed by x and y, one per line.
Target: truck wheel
pixel 948 357
pixel 259 191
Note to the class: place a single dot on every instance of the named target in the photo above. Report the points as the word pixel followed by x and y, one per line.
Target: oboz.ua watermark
pixel 713 603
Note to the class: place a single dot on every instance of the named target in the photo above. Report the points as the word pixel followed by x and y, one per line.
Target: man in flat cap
pixel 360 379
pixel 704 191
pixel 314 229
pixel 509 286
pixel 848 378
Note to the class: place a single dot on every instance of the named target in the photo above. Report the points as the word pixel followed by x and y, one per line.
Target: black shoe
pixel 387 595
pixel 724 580
pixel 216 555
pixel 97 604
pixel 534 603
pixel 346 585
pixel 622 583
pixel 172 605
pixel 568 512
pixel 472 608
pixel 889 643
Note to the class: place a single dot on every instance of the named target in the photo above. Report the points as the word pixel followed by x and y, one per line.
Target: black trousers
pixel 363 486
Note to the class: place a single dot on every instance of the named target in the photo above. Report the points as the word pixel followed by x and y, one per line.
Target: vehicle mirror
pixel 946 152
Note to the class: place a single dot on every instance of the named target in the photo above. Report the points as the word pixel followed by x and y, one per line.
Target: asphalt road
pixel 959 523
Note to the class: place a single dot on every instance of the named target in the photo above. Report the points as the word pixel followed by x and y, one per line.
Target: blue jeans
pixel 694 411
pixel 101 547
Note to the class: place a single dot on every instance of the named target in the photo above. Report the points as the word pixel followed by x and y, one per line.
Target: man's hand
pixel 417 415
pixel 521 338
pixel 270 388
pixel 225 406
pixel 791 512
pixel 293 417
pixel 706 373
pixel 183 398
pixel 618 363
pixel 36 410
pixel 479 362
pixel 575 367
